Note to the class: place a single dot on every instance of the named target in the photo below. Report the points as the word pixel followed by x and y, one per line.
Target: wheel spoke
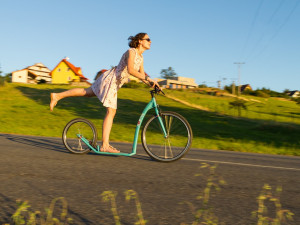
pixel 79 145
pixel 170 123
pixel 169 144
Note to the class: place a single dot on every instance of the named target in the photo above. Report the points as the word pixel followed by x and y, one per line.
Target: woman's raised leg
pixel 55 97
pixel 106 128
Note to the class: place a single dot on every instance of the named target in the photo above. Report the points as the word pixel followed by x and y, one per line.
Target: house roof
pixel 35 65
pixel 291 93
pixel 103 71
pixel 20 70
pixel 243 87
pixel 75 69
pixel 100 73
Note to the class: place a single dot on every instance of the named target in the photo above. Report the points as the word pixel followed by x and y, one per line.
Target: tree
pixel 202 86
pixel 8 77
pixel 1 78
pixel 238 104
pixel 168 73
pixel 231 88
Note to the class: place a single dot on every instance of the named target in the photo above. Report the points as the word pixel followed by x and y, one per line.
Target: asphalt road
pixel 39 169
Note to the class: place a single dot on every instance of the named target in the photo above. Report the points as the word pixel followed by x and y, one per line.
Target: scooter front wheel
pixel 171 147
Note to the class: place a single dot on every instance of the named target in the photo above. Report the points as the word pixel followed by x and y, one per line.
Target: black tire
pixel 83 127
pixel 175 146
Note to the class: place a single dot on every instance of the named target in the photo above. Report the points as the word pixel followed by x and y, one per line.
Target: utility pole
pixel 222 82
pixel 233 85
pixel 239 77
pixel 219 84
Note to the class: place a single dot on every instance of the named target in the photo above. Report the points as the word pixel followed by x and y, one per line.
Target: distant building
pixel 294 94
pixel 32 74
pixel 246 87
pixel 177 83
pixel 66 73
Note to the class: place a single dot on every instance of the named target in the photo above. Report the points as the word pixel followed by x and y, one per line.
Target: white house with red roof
pixel 32 74
pixel 66 73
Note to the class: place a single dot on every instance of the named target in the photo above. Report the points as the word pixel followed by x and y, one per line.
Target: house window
pixel 69 78
pixel 58 70
pixel 68 69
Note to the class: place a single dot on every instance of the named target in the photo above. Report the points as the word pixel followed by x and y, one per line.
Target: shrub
pixel 134 84
pixel 297 100
pixel 2 79
pixel 262 94
pixel 42 81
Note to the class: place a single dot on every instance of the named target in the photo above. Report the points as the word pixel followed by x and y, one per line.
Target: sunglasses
pixel 147 39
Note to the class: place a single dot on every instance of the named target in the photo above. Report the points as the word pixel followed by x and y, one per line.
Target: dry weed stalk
pixel 205 214
pixel 24 215
pixel 282 215
pixel 110 196
pixel 131 194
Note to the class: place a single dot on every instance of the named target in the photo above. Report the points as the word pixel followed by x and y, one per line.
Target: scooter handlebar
pixel 157 88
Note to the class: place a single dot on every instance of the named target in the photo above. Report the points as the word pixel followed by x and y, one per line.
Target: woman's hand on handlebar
pixel 153 83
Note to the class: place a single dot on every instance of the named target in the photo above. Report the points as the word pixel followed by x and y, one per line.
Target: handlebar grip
pixel 156 88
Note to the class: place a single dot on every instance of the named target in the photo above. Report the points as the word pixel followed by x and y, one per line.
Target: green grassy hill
pixel 267 126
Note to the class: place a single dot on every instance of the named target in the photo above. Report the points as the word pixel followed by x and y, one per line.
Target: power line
pixel 276 32
pixel 252 26
pixel 276 10
pixel 263 34
pixel 280 27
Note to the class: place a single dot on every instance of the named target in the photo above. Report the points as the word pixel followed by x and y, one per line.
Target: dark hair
pixel 134 40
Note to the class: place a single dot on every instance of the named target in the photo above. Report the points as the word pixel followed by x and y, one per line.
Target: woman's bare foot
pixel 54 101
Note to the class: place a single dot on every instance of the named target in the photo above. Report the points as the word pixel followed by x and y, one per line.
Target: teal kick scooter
pixel 166 136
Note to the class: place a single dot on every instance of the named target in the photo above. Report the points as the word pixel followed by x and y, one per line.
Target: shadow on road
pixel 53 144
pixel 7 207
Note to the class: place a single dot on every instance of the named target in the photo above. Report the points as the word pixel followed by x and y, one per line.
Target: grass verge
pixel 25 110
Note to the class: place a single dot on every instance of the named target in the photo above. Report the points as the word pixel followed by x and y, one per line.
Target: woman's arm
pixel 139 74
pixel 145 75
pixel 130 66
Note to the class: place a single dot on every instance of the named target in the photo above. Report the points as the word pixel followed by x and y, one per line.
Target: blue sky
pixel 201 39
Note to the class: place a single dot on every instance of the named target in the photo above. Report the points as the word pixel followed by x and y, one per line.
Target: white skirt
pixel 106 88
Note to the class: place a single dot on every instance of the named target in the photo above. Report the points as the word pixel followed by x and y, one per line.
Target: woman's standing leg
pixel 106 128
pixel 55 97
